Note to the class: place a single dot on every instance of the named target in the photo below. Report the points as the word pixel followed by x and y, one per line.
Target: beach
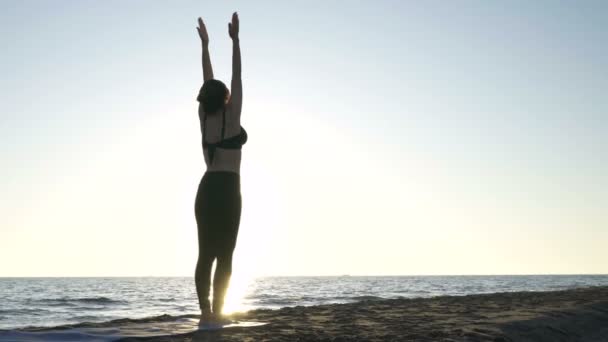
pixel 571 315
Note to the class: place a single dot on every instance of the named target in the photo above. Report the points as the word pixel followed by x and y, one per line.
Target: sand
pixel 572 315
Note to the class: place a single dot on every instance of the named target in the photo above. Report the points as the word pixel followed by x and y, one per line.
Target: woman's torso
pixel 224 159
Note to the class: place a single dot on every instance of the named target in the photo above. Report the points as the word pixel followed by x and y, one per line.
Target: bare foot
pixel 221 319
pixel 206 317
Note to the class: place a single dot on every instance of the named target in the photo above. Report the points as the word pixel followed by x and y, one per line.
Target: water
pixel 58 301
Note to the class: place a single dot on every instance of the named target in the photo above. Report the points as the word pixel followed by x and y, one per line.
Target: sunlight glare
pixel 238 290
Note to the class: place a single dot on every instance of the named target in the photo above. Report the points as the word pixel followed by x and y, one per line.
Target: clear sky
pixel 385 137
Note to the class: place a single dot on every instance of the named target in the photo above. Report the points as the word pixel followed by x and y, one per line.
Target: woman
pixel 218 200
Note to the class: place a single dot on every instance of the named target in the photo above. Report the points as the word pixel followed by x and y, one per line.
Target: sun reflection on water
pixel 240 287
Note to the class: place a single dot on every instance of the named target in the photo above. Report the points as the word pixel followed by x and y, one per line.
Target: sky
pixel 385 137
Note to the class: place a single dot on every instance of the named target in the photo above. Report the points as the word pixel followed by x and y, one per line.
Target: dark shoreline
pixel 579 314
pixel 571 315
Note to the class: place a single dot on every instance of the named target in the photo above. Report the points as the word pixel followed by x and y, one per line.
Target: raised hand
pixel 202 31
pixel 233 27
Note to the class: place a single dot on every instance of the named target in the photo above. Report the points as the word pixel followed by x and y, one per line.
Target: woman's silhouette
pixel 218 200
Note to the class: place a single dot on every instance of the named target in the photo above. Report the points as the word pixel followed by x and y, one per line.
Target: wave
pixel 166 299
pixel 114 330
pixel 282 301
pixel 365 298
pixel 85 318
pixel 111 323
pixel 67 301
pixel 277 302
pixel 24 311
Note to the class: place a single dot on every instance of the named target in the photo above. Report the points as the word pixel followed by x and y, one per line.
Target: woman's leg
pixel 202 274
pixel 202 279
pixel 221 280
pixel 229 228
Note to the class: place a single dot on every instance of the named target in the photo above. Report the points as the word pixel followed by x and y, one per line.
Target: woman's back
pixel 223 159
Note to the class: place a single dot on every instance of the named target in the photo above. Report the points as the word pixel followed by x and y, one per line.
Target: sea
pixel 48 302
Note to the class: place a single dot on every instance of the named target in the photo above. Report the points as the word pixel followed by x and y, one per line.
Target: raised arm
pixel 236 97
pixel 202 32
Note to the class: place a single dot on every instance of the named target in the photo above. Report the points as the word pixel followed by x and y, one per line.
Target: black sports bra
pixel 232 143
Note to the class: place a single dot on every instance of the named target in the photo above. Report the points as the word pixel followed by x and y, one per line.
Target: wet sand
pixel 572 315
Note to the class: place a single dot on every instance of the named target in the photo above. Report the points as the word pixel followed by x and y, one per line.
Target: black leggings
pixel 218 213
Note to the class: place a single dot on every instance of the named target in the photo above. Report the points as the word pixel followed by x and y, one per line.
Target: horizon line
pixel 330 275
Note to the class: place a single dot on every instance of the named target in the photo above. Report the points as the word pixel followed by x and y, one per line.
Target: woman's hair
pixel 213 95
